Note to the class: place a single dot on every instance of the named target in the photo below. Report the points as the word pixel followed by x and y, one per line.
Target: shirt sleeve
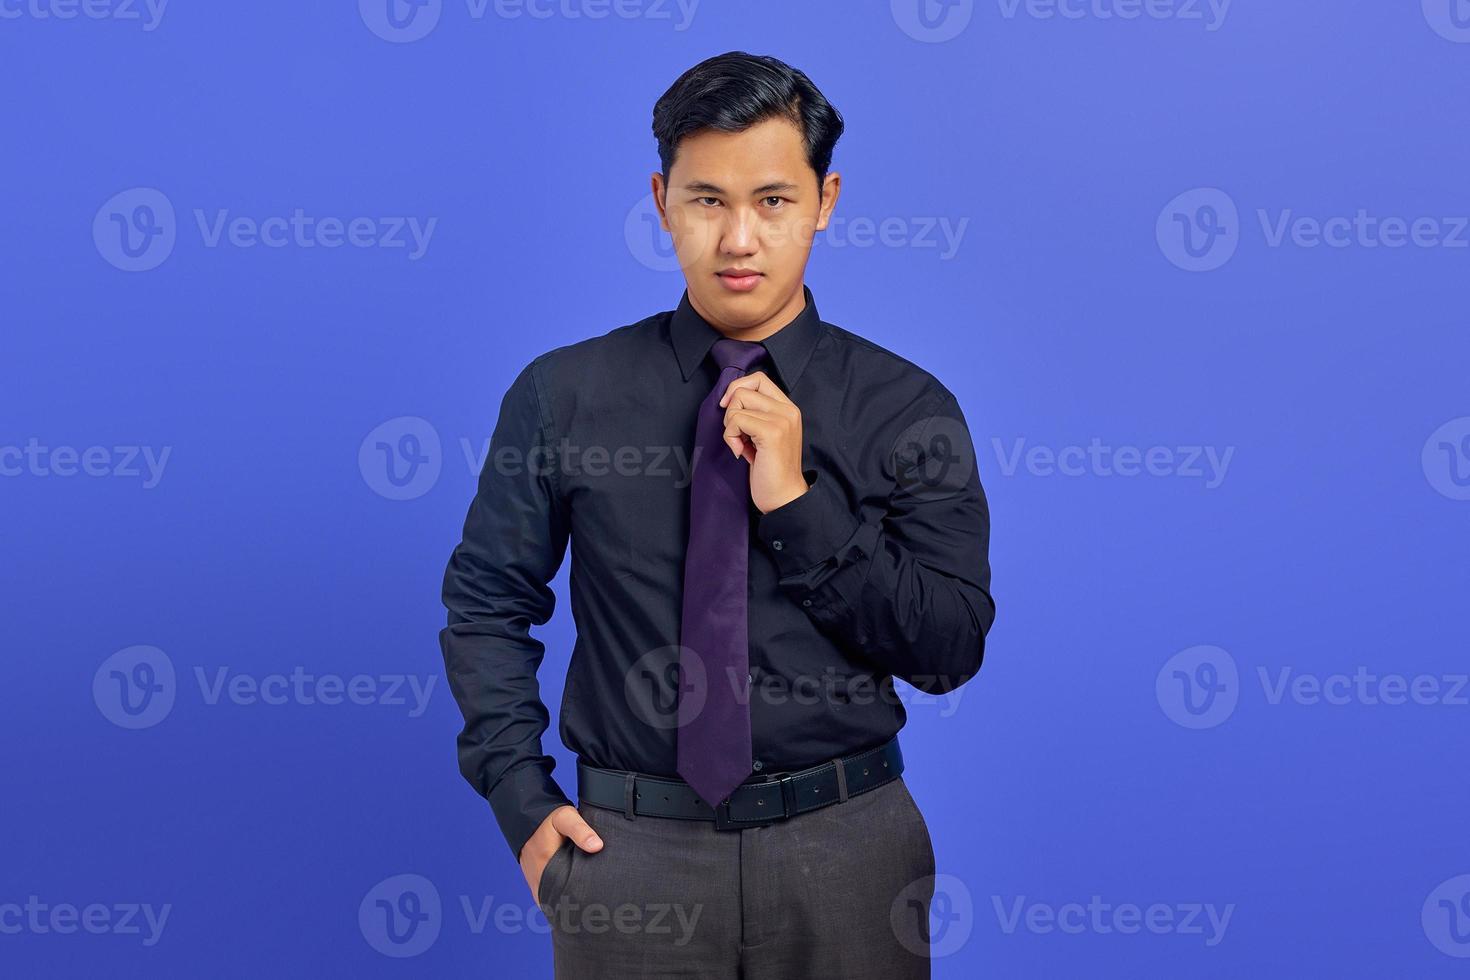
pixel 910 592
pixel 495 588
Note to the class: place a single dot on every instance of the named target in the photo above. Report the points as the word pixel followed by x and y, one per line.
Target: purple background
pixel 1334 541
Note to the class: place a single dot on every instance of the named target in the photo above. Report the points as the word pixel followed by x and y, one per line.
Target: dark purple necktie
pixel 714 747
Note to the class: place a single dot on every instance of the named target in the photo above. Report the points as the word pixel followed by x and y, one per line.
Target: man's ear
pixel 657 181
pixel 831 188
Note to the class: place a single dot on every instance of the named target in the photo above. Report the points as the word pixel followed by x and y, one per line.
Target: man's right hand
pixel 560 823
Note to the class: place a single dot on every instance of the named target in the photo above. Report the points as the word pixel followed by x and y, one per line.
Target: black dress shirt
pixel 879 570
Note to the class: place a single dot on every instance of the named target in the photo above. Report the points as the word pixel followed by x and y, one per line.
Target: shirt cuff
pixel 521 801
pixel 808 530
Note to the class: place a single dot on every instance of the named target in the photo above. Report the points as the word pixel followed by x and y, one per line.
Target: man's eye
pixel 701 200
pixel 777 201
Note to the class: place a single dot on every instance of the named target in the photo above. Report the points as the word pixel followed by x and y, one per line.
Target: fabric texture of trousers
pixel 837 893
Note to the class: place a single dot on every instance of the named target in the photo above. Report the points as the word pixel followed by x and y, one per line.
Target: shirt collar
pixel 790 347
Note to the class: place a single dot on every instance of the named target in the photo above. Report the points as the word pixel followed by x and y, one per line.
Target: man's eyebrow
pixel 708 188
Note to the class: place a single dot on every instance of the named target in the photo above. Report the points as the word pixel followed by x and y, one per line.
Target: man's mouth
pixel 739 279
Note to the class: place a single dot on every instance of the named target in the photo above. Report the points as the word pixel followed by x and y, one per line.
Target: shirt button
pixel 806 602
pixel 777 544
pixel 758 765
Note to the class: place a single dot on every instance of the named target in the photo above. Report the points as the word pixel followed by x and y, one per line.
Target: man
pixel 770 519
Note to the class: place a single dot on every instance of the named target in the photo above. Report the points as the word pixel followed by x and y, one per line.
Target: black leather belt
pixel 754 803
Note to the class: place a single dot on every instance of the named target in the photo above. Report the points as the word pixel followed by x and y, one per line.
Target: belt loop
pixel 841 780
pixel 628 778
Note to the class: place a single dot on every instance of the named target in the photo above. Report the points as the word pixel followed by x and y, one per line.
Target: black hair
pixel 732 92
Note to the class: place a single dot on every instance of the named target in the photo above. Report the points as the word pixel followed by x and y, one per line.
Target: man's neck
pixel 782 318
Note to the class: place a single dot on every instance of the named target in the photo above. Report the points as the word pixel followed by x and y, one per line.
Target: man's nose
pixel 740 234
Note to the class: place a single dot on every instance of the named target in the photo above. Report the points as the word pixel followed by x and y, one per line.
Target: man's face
pixel 742 209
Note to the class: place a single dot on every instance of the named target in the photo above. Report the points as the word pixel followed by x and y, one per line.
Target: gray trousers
pixel 838 893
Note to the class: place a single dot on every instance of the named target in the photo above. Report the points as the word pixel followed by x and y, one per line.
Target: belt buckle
pixel 723 820
pixel 722 817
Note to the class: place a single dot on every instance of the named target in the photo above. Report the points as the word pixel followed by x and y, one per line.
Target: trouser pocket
pixel 921 826
pixel 554 876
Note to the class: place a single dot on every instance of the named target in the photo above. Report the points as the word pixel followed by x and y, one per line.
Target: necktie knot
pixel 743 354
